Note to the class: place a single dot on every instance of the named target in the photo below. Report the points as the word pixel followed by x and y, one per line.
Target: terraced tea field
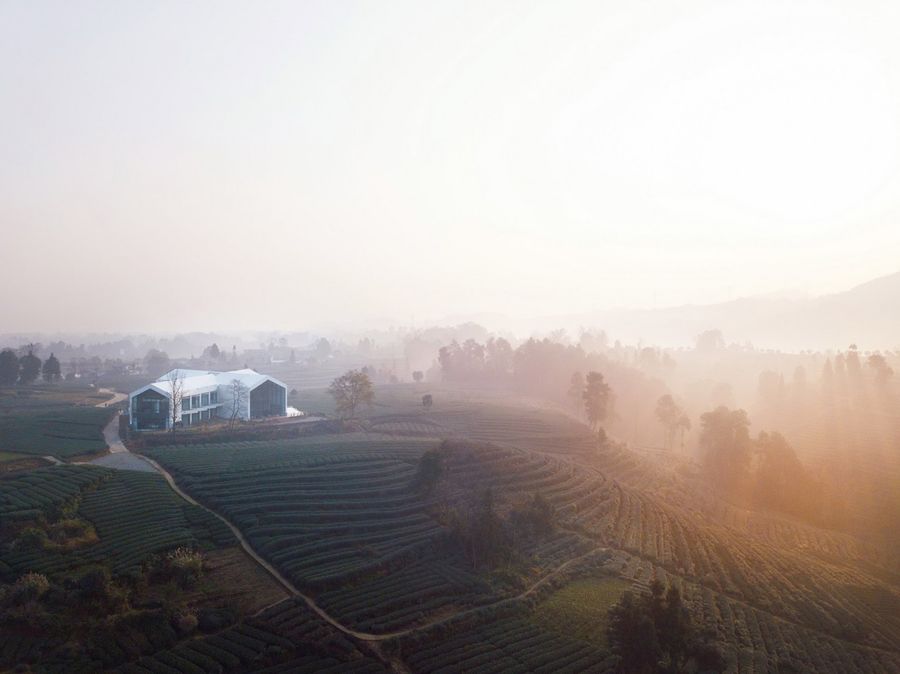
pixel 804 584
pixel 337 515
pixel 508 645
pixel 322 511
pixel 134 514
pixel 287 634
pixel 64 432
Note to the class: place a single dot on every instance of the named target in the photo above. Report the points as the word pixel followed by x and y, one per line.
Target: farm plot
pixel 512 644
pixel 756 641
pixel 63 432
pixel 804 585
pixel 257 644
pixel 486 420
pixel 407 595
pixel 135 515
pixel 28 495
pixel 37 398
pixel 286 637
pixel 323 511
pixel 579 609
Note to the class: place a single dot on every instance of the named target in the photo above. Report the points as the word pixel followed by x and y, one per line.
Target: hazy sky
pixel 179 166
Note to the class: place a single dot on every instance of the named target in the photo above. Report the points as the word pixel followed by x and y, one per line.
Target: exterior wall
pixel 268 400
pixel 225 396
pixel 149 411
pixel 193 405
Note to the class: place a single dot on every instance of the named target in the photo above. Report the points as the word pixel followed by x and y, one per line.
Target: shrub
pixel 185 622
pixel 186 564
pixel 214 619
pixel 32 538
pixel 94 584
pixel 28 587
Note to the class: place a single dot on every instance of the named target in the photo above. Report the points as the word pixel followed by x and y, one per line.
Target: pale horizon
pixel 207 167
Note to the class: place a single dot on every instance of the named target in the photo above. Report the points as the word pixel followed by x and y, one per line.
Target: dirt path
pixel 111 436
pixel 116 397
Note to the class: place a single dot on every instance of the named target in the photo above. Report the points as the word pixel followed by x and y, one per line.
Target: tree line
pixel 763 471
pixel 27 369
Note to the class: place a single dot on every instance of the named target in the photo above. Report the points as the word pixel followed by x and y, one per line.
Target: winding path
pixel 318 610
pixel 116 397
pixel 116 446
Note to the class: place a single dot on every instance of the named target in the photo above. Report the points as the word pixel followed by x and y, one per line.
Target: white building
pixel 205 395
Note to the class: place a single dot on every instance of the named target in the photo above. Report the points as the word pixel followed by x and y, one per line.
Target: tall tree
pixel 781 481
pixel 710 341
pixel 323 348
pixel 684 425
pixel 653 634
pixel 29 368
pixel 725 442
pixel 576 390
pixel 156 362
pixel 51 370
pixel 9 367
pixel 350 390
pixel 596 396
pixel 499 355
pixel 669 415
pixel 238 391
pixel 883 371
pixel 175 384
pixel 212 352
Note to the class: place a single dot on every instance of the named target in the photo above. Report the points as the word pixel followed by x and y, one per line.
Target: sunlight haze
pixel 215 165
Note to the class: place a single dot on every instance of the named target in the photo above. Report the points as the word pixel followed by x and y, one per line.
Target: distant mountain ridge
pixel 868 315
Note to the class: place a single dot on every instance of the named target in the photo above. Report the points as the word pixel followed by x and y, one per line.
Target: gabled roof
pixel 200 379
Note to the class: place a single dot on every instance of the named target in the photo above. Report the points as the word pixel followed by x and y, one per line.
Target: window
pixel 186 403
pixel 204 399
pixel 154 406
pixel 214 398
pixel 186 419
pixel 195 417
pixel 195 401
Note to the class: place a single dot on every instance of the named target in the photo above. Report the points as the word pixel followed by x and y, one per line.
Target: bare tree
pixel 175 380
pixel 238 398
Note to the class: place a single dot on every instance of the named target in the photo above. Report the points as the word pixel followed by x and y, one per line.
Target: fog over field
pixel 450 337
pixel 327 165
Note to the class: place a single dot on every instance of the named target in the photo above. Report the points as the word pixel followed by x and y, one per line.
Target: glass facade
pixel 201 403
pixel 149 411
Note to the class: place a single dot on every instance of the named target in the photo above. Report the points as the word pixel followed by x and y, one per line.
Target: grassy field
pixel 11 456
pixel 579 610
